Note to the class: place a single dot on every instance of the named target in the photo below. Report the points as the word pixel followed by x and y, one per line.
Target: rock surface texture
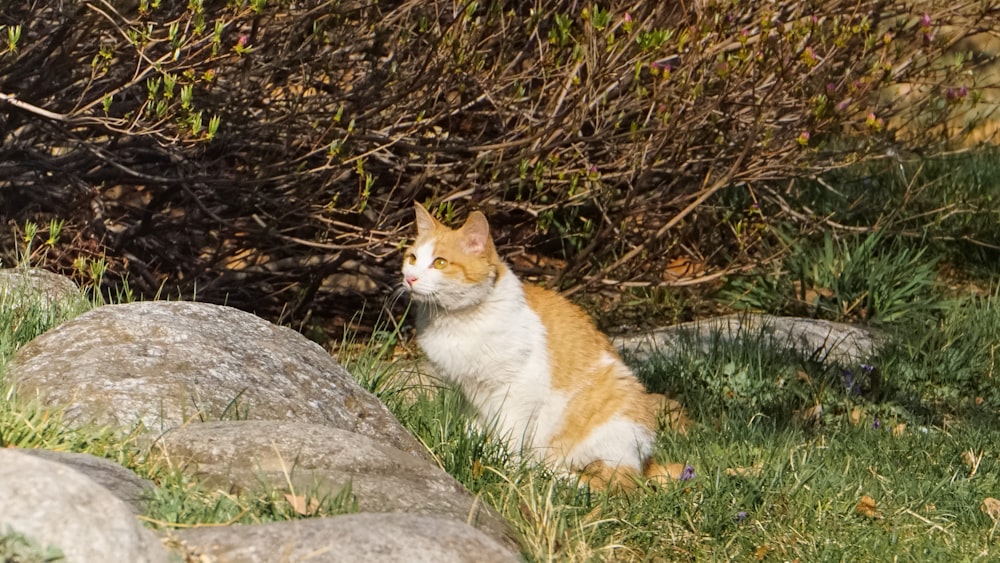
pixel 319 461
pixel 59 507
pixel 838 342
pixel 25 284
pixel 23 287
pixel 120 482
pixel 360 538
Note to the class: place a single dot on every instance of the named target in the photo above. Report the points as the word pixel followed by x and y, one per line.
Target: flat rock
pixel 121 482
pixel 838 342
pixel 410 538
pixel 167 363
pixel 320 461
pixel 57 506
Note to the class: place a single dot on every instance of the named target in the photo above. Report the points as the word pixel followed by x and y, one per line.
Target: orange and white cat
pixel 531 363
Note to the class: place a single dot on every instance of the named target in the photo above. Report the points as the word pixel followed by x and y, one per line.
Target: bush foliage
pixel 266 153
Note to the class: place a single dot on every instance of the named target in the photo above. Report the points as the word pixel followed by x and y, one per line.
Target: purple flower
pixel 925 20
pixel 849 382
pixel 687 474
pixel 876 424
pixel 867 368
pixel 955 94
pixel 741 516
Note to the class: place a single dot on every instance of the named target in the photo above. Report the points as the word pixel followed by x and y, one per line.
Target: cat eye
pixel 411 258
pixel 440 263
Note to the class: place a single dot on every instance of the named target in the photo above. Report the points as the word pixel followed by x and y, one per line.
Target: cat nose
pixel 410 280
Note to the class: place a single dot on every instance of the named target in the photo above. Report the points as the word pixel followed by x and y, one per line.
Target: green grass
pixel 18 548
pixel 869 278
pixel 772 483
pixel 901 447
pixel 181 501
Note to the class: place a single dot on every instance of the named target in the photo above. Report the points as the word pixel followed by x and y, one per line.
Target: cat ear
pixel 475 233
pixel 425 221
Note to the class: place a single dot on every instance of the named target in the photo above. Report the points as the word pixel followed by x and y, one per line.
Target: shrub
pixel 267 153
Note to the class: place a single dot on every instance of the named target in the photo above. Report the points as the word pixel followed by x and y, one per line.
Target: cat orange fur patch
pixel 586 366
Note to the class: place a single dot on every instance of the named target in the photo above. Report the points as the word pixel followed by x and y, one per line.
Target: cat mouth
pixel 416 294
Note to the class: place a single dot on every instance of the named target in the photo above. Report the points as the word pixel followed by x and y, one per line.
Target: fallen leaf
pixel 948 421
pixel 761 553
pixel 856 413
pixel 866 507
pixel 808 416
pixel 970 459
pixel 898 429
pixel 811 295
pixel 527 513
pixel 991 507
pixel 683 268
pixel 752 471
pixel 979 401
pixel 302 505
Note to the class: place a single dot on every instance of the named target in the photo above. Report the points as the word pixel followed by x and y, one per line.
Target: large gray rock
pixel 408 538
pixel 320 461
pixel 838 342
pixel 60 507
pixel 121 482
pixel 167 363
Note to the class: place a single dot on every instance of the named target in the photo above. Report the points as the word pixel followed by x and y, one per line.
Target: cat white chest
pixel 497 355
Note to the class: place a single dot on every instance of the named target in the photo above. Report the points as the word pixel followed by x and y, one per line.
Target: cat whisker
pixel 397 294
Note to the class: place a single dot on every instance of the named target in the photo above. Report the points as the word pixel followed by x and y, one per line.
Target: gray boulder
pixel 406 538
pixel 59 507
pixel 320 461
pixel 119 481
pixel 167 363
pixel 838 342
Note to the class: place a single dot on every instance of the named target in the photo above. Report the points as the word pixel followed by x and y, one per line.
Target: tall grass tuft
pixel 866 278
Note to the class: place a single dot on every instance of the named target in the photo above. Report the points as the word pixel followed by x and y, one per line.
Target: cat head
pixel 451 268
